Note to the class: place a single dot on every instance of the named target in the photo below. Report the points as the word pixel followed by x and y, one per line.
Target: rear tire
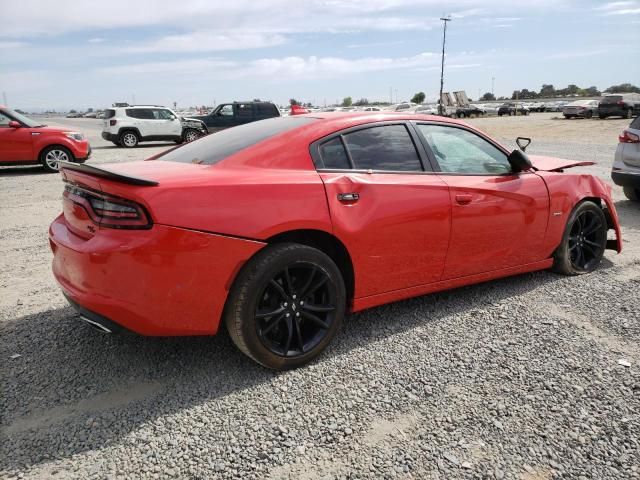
pixel 583 242
pixel 286 305
pixel 632 194
pixel 129 139
pixel 589 114
pixel 602 117
pixel 629 113
pixel 50 157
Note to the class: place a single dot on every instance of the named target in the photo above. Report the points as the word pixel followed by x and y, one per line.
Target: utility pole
pixel 445 20
pixel 391 95
pixel 396 95
pixel 493 81
pixel 4 99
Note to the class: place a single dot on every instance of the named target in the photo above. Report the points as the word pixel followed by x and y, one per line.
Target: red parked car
pixel 280 227
pixel 24 141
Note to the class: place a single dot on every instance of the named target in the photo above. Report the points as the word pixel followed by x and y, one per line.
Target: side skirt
pixel 396 295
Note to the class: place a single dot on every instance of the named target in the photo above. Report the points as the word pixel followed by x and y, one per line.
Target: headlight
pixel 75 135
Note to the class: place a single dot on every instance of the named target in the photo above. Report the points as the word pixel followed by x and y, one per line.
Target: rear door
pixel 16 144
pixel 388 207
pixel 142 119
pixel 244 113
pixel 498 218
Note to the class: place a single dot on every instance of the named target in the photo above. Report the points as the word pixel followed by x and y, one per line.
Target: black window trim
pixel 425 162
pixel 434 160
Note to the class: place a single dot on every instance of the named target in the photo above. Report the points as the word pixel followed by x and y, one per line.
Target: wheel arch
pixel 49 145
pixel 121 130
pixel 328 244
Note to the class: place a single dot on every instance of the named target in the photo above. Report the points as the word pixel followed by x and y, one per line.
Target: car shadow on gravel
pixel 146 145
pixel 26 170
pixel 73 389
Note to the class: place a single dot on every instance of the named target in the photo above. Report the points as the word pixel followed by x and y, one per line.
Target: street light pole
pixel 444 40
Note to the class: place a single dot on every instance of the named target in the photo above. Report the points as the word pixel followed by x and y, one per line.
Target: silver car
pixel 626 165
pixel 581 108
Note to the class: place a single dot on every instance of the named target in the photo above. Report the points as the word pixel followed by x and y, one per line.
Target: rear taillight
pixel 628 137
pixel 621 103
pixel 108 211
pixel 112 123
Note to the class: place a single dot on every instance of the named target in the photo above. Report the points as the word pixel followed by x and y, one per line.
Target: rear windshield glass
pixel 636 123
pixel 220 145
pixel 109 113
pixel 611 99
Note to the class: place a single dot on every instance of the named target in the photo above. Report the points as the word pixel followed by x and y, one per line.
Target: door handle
pixel 463 198
pixel 348 197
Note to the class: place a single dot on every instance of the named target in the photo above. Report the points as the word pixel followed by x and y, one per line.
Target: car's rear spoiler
pixel 108 174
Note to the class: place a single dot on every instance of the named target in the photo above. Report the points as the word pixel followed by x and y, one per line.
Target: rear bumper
pixel 625 179
pixel 110 137
pixel 162 281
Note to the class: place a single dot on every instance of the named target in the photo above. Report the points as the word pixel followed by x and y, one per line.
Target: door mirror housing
pixel 523 143
pixel 14 124
pixel 519 161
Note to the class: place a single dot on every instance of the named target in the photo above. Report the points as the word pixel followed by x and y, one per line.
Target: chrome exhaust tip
pixel 97 326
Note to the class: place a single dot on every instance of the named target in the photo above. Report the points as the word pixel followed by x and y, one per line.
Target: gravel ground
pixel 533 377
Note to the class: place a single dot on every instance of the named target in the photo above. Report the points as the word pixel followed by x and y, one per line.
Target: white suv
pixel 130 125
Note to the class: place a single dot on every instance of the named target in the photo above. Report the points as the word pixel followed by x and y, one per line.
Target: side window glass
pixel 333 154
pixel 226 111
pixel 4 120
pixel 460 151
pixel 245 110
pixel 387 147
pixel 160 114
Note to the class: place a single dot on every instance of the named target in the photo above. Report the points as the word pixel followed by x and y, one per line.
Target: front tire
pixel 583 242
pixel 632 194
pixel 50 157
pixel 286 305
pixel 190 135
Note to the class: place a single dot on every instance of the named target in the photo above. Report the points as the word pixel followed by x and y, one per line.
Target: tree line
pixel 549 91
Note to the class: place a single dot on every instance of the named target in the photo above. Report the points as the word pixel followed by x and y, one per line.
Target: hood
pixel 553 164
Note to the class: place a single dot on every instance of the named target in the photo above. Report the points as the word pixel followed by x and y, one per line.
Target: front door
pixel 392 214
pixel 499 218
pixel 16 144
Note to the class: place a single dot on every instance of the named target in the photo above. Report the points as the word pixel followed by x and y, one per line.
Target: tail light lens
pixel 621 103
pixel 628 137
pixel 112 122
pixel 108 211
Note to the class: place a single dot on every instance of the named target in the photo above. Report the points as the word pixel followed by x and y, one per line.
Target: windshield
pixel 611 99
pixel 220 145
pixel 22 119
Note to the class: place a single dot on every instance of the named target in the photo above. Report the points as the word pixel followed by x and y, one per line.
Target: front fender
pixel 565 192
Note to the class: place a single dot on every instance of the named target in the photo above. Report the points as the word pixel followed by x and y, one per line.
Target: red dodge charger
pixel 278 228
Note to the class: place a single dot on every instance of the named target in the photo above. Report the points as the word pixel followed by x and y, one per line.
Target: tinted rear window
pixel 109 113
pixel 636 123
pixel 220 145
pixel 611 99
pixel 383 148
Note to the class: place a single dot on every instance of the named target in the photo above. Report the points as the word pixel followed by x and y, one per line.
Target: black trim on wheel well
pixel 40 158
pixel 121 130
pixel 330 245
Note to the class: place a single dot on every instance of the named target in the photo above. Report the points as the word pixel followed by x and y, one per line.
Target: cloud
pixel 620 8
pixel 289 68
pixel 10 44
pixel 96 40
pixel 206 41
pixel 35 17
pixel 577 54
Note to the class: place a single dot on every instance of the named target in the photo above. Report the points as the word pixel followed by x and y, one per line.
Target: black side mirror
pixel 521 140
pixel 519 161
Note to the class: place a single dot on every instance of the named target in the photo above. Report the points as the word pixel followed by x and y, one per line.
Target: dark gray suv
pixel 625 105
pixel 228 115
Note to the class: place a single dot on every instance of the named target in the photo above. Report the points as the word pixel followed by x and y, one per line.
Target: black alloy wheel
pixel 584 240
pixel 286 305
pixel 296 309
